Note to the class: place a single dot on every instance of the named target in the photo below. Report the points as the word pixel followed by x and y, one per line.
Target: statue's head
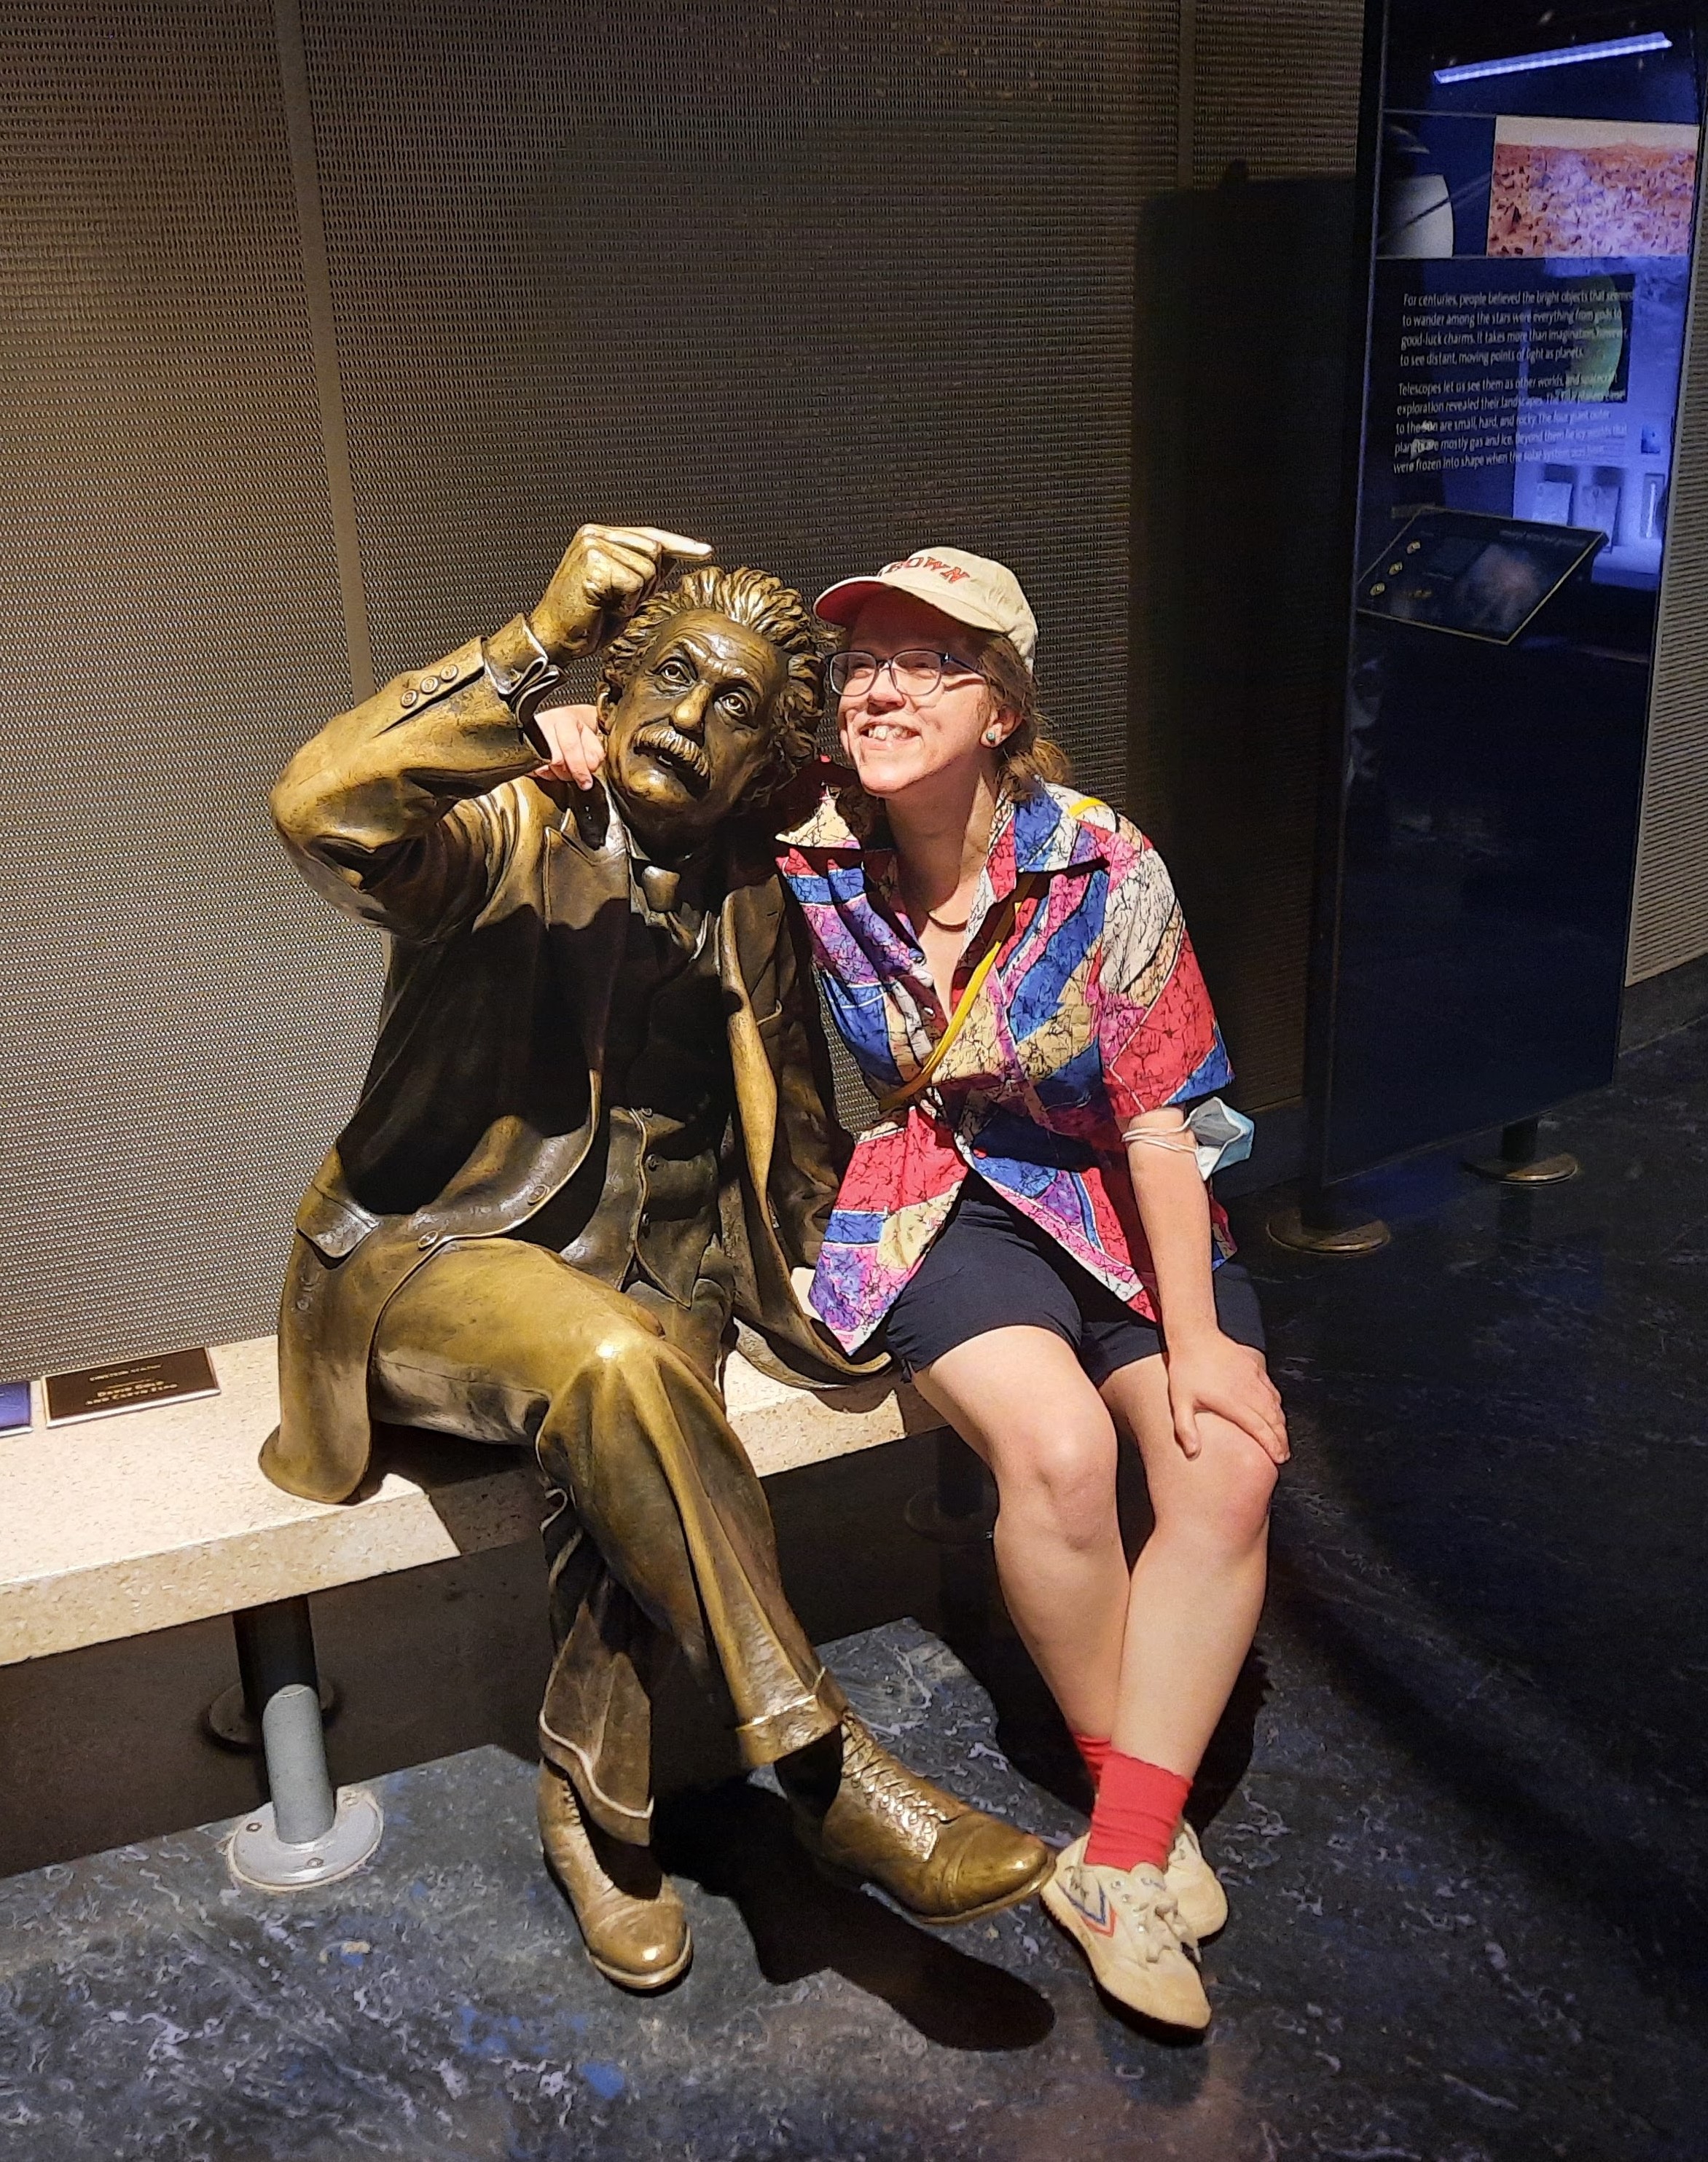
pixel 709 698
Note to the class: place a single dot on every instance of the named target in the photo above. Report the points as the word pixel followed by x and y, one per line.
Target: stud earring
pixel 993 735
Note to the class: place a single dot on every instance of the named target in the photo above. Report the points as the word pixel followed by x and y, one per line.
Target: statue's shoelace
pixel 890 1784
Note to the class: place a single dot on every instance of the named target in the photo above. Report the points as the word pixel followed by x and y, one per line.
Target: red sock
pixel 1138 1807
pixel 1095 1749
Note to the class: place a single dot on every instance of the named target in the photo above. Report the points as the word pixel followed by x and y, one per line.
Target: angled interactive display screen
pixel 1472 575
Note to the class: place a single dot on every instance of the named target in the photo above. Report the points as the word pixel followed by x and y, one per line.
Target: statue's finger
pixel 676 544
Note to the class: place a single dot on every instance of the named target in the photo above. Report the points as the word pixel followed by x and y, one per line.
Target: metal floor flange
pixel 305 1834
pixel 258 1857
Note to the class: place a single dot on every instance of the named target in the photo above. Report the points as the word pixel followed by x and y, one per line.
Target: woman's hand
pixel 1213 1373
pixel 572 735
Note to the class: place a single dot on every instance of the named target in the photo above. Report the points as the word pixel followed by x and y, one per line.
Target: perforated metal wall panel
pixel 817 283
pixel 1670 905
pixel 820 283
pixel 1275 85
pixel 180 1024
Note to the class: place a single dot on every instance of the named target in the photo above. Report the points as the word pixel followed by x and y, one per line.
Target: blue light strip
pixel 1611 48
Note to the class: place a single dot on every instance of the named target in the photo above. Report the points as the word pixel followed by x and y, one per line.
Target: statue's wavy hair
pixel 761 603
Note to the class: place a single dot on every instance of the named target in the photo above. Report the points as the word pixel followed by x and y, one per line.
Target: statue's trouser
pixel 659 1534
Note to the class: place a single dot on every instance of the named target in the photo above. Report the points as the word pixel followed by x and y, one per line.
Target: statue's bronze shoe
pixel 868 1817
pixel 631 1915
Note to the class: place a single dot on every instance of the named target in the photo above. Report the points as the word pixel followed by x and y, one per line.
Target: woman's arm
pixel 1207 1370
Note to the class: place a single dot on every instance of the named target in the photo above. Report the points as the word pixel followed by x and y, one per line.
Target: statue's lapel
pixel 587 909
pixel 752 913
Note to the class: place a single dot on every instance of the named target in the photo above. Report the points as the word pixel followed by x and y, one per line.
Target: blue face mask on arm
pixel 1216 1134
pixel 1220 1134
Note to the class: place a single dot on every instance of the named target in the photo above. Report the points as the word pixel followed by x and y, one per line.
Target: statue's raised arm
pixel 382 811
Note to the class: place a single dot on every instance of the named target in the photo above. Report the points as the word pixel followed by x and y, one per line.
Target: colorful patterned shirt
pixel 1092 1013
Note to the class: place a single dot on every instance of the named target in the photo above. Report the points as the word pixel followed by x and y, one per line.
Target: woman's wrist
pixel 1191 1335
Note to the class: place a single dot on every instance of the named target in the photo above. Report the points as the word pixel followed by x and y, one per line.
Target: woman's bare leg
pixel 1151 1661
pixel 1021 1398
pixel 1198 1585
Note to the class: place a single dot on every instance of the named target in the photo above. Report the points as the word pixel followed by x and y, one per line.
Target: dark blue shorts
pixel 993 1268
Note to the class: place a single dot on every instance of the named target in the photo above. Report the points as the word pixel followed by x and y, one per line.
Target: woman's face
pixel 893 737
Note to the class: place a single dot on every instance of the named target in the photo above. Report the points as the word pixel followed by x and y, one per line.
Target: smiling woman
pixel 1026 755
pixel 1026 1228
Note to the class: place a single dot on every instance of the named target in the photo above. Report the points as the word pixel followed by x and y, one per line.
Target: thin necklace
pixel 931 916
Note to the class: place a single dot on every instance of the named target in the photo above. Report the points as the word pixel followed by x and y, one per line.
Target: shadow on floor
pixel 736 1842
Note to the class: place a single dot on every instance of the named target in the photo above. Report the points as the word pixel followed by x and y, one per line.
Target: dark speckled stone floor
pixel 1458 1803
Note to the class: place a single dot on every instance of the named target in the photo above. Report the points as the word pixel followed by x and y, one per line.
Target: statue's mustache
pixel 661 738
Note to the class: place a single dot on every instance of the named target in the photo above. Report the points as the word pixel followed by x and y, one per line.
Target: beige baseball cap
pixel 971 589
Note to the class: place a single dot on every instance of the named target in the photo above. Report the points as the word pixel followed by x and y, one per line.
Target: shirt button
pixel 429 683
pixel 406 698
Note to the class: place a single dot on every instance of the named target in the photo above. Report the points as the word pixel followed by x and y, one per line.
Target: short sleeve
pixel 1157 1032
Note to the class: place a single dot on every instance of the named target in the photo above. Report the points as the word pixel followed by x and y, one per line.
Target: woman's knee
pixel 1225 1496
pixel 1062 1476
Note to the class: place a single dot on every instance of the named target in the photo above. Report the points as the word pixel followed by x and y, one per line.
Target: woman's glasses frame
pixel 916 672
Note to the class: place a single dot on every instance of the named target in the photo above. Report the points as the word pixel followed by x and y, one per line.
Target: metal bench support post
pixel 960 1509
pixel 305 1834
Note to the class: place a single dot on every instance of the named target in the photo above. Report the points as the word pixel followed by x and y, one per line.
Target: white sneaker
pixel 1197 1889
pixel 1127 1923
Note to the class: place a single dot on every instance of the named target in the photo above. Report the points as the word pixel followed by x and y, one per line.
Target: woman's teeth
pixel 884 732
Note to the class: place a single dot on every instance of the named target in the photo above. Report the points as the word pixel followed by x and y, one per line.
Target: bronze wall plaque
pixel 102 1391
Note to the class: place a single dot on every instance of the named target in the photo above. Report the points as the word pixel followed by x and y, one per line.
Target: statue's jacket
pixel 415 813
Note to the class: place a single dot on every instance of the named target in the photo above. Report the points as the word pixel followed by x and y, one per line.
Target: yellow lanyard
pixel 1023 886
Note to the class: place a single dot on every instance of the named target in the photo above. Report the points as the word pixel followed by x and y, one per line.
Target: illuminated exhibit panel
pixel 1533 177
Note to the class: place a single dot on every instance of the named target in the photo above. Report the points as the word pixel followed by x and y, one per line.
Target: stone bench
pixel 114 1527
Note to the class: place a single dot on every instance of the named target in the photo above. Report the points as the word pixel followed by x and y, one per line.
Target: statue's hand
pixel 607 571
pixel 571 733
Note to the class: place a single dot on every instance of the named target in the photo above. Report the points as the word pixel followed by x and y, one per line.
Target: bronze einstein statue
pixel 595 1131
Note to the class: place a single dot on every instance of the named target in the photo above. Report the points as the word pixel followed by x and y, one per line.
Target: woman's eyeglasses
pixel 916 671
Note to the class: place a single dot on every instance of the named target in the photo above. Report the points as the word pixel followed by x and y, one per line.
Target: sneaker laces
pixel 1156 1914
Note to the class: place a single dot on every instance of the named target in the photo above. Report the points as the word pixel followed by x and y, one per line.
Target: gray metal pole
pixel 277 1659
pixel 303 1808
pixel 307 1834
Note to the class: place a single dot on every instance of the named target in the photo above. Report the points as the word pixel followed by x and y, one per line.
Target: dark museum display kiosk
pixel 1530 185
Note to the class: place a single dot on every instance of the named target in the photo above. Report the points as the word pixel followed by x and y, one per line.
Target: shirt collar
pixel 1042 832
pixel 824 829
